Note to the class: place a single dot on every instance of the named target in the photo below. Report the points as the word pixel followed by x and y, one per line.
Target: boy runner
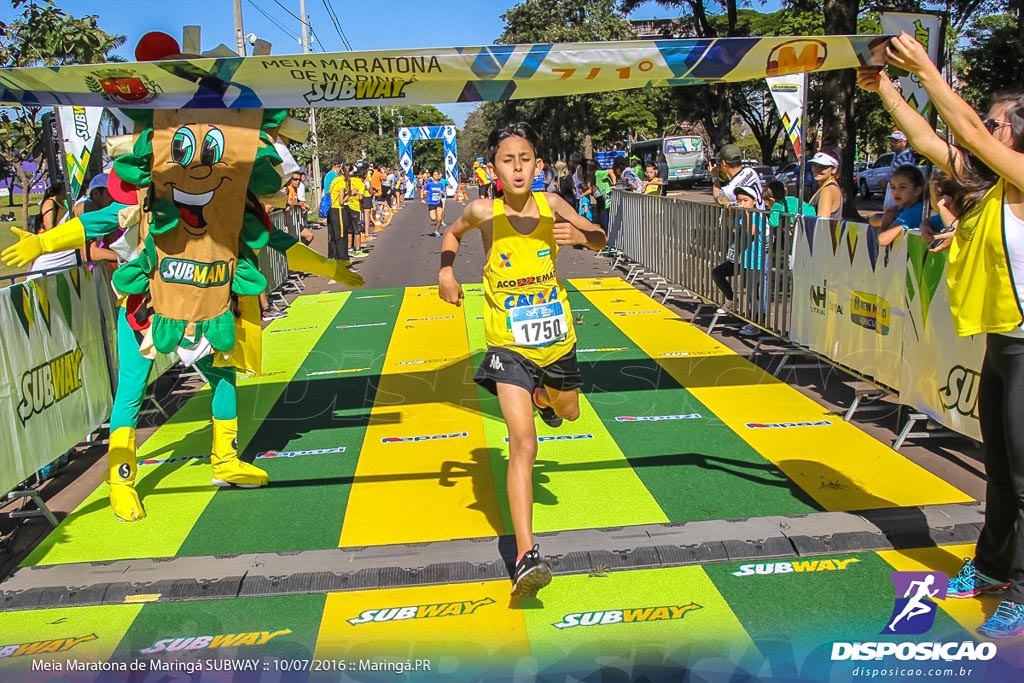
pixel 433 192
pixel 531 356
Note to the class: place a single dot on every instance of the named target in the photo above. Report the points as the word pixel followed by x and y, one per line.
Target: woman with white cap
pixel 828 200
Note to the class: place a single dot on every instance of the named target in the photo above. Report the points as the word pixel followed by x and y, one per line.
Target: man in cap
pixel 730 173
pixel 903 155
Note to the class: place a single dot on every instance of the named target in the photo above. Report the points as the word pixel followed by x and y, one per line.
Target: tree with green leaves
pixel 43 35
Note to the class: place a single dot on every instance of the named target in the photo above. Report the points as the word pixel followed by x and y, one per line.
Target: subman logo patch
pixel 185 272
pixel 636 615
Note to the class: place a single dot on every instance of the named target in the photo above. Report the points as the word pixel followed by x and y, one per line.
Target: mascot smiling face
pixel 202 168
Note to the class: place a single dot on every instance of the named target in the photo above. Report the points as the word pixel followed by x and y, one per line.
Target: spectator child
pixel 907 188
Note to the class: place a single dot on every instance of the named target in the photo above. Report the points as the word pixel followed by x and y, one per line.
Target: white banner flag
pixel 78 127
pixel 927 29
pixel 788 93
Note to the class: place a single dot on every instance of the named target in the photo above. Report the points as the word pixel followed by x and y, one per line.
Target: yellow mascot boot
pixel 228 470
pixel 124 501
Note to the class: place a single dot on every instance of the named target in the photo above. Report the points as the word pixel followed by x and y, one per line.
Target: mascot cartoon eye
pixel 213 147
pixel 183 146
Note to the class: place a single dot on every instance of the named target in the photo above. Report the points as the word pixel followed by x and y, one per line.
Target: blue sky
pixel 403 24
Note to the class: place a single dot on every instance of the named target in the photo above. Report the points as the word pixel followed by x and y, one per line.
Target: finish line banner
pixel 433 76
pixel 56 386
pixel 848 298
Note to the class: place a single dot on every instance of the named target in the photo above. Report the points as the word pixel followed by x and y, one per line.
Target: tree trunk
pixel 25 187
pixel 837 124
pixel 588 144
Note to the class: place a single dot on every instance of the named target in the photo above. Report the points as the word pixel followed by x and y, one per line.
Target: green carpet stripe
pixel 315 411
pixel 572 478
pixel 806 603
pixel 175 494
pixel 282 627
pixel 696 468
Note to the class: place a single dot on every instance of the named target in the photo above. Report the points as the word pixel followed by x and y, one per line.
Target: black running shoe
pixel 532 574
pixel 548 414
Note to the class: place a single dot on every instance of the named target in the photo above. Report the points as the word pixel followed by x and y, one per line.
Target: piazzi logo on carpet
pixel 635 615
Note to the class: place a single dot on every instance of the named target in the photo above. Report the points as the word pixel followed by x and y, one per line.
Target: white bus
pixel 684 155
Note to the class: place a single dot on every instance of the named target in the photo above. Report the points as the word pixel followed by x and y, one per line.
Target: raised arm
pixel 963 122
pixel 917 129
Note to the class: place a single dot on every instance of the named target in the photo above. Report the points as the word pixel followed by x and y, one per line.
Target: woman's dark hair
pixel 53 190
pixel 510 130
pixel 969 184
pixel 777 189
pixel 911 173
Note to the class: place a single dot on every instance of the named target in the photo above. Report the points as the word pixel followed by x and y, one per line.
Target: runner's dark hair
pixel 509 130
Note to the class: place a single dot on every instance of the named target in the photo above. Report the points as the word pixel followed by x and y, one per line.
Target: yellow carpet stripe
pixel 432 488
pixel 175 495
pixel 840 466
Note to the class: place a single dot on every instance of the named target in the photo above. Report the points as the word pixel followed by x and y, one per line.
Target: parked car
pixel 765 173
pixel 876 176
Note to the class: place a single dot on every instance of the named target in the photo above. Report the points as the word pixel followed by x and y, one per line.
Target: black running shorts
pixel 501 365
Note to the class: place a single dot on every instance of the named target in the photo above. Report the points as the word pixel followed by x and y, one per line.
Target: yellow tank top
pixel 520 272
pixel 981 290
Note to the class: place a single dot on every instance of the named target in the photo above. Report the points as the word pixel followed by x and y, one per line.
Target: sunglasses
pixel 992 124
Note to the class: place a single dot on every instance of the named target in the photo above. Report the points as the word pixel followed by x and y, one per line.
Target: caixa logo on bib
pixel 961 391
pixel 50 383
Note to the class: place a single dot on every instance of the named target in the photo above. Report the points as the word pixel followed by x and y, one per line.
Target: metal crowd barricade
pixel 273 264
pixel 684 241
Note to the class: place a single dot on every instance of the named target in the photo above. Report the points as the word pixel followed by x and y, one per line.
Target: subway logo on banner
pixel 42 647
pixel 213 642
pixel 438 609
pixel 50 383
pixel 185 272
pixel 637 615
pixel 804 566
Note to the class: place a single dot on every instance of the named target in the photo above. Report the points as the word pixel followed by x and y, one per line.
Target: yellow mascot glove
pixel 301 257
pixel 29 247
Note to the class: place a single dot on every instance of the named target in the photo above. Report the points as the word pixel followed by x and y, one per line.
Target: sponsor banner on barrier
pixel 53 355
pixel 435 75
pixel 848 297
pixel 941 371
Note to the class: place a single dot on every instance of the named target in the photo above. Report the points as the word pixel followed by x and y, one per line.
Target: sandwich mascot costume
pixel 190 190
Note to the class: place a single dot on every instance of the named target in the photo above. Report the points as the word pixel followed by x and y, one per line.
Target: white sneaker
pixel 749 331
pixel 726 308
